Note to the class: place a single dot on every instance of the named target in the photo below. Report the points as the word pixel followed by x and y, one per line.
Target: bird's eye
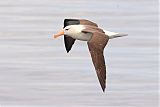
pixel 67 29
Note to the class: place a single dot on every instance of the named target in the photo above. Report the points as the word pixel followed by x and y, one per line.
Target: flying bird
pixel 85 30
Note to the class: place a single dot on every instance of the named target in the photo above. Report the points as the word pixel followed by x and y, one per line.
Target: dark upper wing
pixel 79 21
pixel 96 46
pixel 69 41
pixel 87 22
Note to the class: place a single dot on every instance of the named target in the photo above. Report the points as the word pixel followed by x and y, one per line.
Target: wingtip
pixel 67 51
pixel 103 90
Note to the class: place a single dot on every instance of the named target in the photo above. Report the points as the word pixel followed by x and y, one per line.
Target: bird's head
pixel 69 30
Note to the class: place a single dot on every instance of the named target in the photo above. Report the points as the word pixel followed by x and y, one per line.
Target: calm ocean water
pixel 36 71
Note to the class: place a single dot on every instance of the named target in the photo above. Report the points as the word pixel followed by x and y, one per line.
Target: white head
pixel 71 30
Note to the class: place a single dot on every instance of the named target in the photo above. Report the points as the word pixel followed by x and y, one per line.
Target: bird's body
pixel 85 30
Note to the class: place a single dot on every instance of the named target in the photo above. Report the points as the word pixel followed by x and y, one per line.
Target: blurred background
pixel 36 71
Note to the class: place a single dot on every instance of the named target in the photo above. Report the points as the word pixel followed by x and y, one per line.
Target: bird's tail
pixel 114 35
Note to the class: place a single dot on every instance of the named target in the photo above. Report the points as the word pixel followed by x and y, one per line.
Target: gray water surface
pixel 36 71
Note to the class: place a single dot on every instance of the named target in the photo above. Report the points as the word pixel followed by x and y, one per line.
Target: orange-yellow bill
pixel 59 34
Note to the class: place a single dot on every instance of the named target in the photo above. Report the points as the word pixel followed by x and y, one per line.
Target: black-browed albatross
pixel 96 38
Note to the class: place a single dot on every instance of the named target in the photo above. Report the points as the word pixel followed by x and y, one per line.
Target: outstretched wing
pixel 69 41
pixel 96 46
pixel 78 21
pixel 87 22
